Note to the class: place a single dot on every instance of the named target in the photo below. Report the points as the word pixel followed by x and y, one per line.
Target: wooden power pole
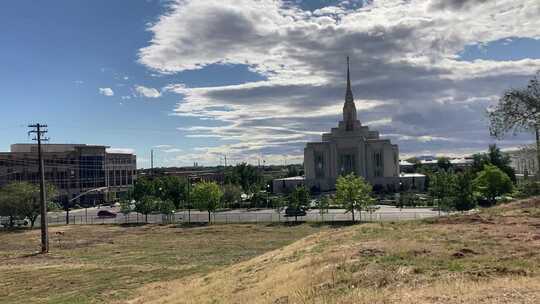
pixel 38 130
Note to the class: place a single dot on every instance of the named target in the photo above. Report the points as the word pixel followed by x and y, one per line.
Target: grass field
pixel 95 264
pixel 489 257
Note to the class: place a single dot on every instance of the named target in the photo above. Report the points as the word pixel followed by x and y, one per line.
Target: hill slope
pixel 489 257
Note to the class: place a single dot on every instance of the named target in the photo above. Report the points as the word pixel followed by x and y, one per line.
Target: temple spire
pixel 349 108
pixel 349 95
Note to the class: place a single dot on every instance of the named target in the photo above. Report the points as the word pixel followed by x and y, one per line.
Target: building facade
pixel 73 169
pixel 524 161
pixel 351 148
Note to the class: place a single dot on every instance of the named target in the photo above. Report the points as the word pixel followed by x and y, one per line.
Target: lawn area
pixel 489 257
pixel 101 263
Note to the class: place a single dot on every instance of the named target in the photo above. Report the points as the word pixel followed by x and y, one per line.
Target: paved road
pixel 384 213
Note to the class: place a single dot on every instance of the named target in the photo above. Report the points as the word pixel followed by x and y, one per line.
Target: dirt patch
pixel 464 252
pixel 369 252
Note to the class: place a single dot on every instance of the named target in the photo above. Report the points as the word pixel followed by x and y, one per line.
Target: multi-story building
pixel 73 169
pixel 524 161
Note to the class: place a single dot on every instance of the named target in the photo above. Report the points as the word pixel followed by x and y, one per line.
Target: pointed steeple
pixel 349 108
pixel 349 94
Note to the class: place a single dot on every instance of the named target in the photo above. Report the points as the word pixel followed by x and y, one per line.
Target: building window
pixel 319 165
pixel 378 162
pixel 347 164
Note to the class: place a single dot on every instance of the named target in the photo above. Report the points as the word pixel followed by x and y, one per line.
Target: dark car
pixel 291 211
pixel 106 214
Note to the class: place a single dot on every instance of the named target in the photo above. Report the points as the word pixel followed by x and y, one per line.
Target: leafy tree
pixel 24 200
pixel 166 208
pixel 278 203
pixel 53 207
pixel 172 188
pixel 126 207
pixel 464 196
pixel 246 176
pixel 146 205
pixel 29 204
pixel 144 187
pixel 207 196
pixel 323 204
pixel 444 163
pixel 298 199
pixel 294 170
pixel 353 193
pixel 408 199
pixel 259 199
pixel 9 204
pixel 492 182
pixel 495 157
pixel 231 194
pixel 443 188
pixel 518 110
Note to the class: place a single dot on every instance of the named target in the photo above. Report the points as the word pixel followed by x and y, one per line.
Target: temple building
pixel 351 148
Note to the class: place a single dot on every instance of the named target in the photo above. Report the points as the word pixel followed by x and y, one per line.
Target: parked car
pixel 291 211
pixel 4 222
pixel 106 214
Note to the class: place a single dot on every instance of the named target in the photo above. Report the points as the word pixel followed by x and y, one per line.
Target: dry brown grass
pixel 98 264
pixel 490 257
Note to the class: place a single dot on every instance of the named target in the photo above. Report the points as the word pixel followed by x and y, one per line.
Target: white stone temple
pixel 351 148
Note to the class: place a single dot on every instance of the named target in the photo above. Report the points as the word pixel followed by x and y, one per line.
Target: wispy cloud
pixel 147 92
pixel 106 91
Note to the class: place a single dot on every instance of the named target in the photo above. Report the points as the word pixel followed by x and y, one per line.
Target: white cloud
pixel 147 92
pixel 407 79
pixel 106 91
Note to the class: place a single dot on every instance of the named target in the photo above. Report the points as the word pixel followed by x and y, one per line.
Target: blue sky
pixel 254 81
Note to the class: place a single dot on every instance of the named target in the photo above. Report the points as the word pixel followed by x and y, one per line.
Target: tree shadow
pixel 133 224
pixel 191 225
pixel 16 230
pixel 336 224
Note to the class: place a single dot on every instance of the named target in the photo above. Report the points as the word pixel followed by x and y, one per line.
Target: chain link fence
pixel 237 217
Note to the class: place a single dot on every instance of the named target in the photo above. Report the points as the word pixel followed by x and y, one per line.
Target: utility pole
pixel 39 131
pixel 152 162
pixel 225 160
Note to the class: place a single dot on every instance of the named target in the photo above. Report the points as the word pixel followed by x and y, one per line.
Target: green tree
pixel 206 197
pixel 172 188
pixel 495 157
pixel 443 188
pixel 353 193
pixel 492 182
pixel 278 203
pixel 246 176
pixel 29 203
pixel 167 209
pixel 232 194
pixel 144 187
pixel 24 199
pixel 298 199
pixel 323 204
pixel 518 110
pixel 9 203
pixel 444 163
pixel 146 205
pixel 464 196
pixel 126 207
